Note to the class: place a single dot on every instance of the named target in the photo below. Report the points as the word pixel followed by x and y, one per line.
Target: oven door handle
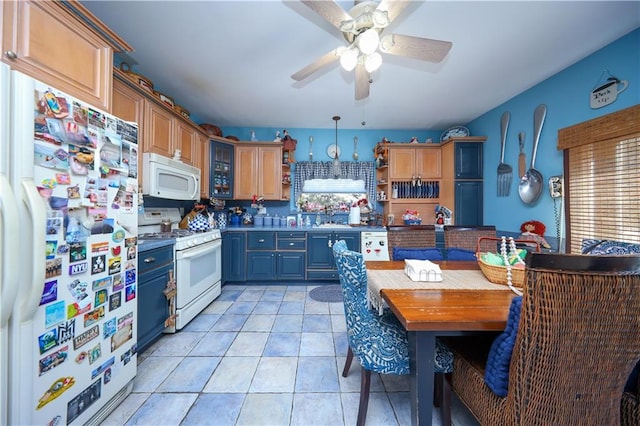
pixel 206 248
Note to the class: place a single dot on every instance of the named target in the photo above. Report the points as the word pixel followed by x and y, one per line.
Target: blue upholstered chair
pixel 379 342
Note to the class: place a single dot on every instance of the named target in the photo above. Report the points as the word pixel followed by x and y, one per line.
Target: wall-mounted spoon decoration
pixel 310 148
pixel 355 148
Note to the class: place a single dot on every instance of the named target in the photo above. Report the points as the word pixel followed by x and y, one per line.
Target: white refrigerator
pixel 68 247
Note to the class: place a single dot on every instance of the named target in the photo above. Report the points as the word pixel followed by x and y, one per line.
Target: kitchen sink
pixel 333 225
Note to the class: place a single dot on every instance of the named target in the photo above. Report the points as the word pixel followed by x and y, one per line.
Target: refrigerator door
pixel 72 334
pixel 8 233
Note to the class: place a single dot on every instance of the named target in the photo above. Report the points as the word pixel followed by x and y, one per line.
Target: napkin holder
pixel 422 270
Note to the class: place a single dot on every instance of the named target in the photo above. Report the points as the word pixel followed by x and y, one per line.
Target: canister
pixel 268 221
pixel 283 221
pixel 258 220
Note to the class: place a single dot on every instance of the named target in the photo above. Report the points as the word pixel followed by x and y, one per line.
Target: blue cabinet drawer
pixel 261 240
pixel 292 234
pixel 290 244
pixel 322 275
pixel 151 259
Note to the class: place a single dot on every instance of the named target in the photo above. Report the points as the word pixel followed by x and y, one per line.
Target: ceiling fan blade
pixel 362 82
pixel 393 7
pixel 329 10
pixel 425 49
pixel 321 62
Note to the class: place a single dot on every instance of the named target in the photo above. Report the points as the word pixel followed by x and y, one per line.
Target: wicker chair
pixel 577 340
pixel 379 342
pixel 466 237
pixel 410 237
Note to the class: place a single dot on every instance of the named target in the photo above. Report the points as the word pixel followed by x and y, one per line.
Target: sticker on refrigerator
pixel 95 353
pixel 53 360
pixel 77 251
pixel 85 337
pixel 109 328
pixel 66 331
pixel 50 292
pixel 115 301
pixel 54 314
pixel 108 363
pixel 98 264
pixel 130 293
pixel 48 340
pixel 53 268
pixel 100 297
pixel 50 157
pixel 101 283
pixel 80 403
pixel 115 265
pixel 94 316
pixel 121 337
pixel 55 390
pixel 50 249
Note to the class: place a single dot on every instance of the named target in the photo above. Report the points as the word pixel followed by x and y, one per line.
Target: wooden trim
pixel 88 19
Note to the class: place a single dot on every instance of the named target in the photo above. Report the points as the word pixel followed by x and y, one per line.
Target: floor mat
pixel 327 293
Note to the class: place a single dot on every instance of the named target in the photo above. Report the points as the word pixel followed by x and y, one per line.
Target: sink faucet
pixel 330 212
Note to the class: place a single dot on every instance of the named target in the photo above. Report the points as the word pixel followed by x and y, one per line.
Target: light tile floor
pixel 262 355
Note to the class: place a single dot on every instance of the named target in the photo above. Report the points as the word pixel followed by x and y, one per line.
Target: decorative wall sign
pixel 606 91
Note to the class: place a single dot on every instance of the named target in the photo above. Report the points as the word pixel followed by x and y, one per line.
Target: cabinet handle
pixel 261 240
pixel 149 259
pixel 11 54
pixel 292 244
pixel 329 243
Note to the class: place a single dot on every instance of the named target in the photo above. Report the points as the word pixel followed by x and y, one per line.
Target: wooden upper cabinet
pixel 202 162
pixel 258 171
pixel 159 130
pixel 58 44
pixel 409 162
pixel 185 141
pixel 127 104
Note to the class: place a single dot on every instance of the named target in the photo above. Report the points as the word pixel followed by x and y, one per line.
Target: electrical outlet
pixel 555 186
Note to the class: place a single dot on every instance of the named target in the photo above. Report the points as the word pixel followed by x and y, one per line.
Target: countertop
pixel 145 245
pixel 326 228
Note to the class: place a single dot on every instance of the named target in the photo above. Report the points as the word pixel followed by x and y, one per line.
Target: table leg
pixel 422 346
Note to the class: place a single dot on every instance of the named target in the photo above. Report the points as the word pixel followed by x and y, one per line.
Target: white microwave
pixel 171 179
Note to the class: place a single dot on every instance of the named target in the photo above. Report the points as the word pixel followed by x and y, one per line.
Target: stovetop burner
pixel 176 233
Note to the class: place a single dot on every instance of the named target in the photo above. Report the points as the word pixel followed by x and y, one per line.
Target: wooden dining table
pixel 429 313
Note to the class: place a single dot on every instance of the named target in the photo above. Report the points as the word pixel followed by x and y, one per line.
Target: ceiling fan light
pixel 368 41
pixel 372 62
pixel 349 59
pixel 380 18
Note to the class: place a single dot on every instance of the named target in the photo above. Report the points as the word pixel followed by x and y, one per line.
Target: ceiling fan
pixel 362 27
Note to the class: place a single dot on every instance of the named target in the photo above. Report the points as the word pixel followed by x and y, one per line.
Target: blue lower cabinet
pixel 320 263
pixel 261 265
pixel 276 255
pixel 234 252
pixel 153 308
pixel 291 266
pixel 468 205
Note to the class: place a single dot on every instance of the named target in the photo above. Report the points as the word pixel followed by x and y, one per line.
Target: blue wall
pixel 566 95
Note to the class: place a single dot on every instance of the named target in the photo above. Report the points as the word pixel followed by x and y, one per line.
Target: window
pixel 602 178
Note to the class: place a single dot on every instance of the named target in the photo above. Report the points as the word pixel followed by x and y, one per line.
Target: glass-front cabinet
pixel 221 176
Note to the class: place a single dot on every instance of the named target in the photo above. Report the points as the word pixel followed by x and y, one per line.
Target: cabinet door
pixel 159 130
pixel 351 238
pixel 233 256
pixel 246 172
pixel 153 308
pixel 468 204
pixel 428 163
pixel 222 167
pixel 290 265
pixel 319 254
pixel 270 172
pixel 203 162
pixel 44 41
pixel 401 163
pixel 261 265
pixel 468 158
pixel 185 141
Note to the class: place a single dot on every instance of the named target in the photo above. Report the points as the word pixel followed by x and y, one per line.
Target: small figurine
pixel 277 138
pixel 253 136
pixel 414 139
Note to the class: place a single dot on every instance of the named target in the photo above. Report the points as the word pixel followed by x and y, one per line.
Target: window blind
pixel 602 178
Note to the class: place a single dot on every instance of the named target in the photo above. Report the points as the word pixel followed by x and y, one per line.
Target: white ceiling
pixel 230 62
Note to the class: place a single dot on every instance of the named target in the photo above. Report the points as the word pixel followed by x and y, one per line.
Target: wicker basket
pixel 212 130
pixel 498 274
pixel 138 78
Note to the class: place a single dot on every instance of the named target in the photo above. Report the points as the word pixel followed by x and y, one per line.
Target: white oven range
pixel 197 262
